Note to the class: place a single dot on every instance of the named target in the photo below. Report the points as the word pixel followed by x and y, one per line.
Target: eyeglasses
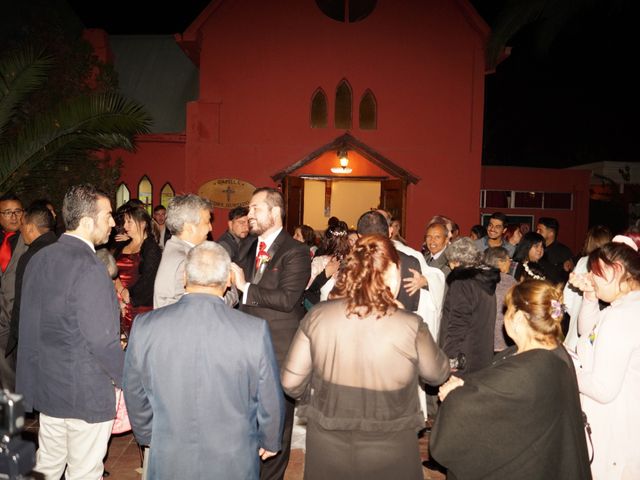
pixel 12 213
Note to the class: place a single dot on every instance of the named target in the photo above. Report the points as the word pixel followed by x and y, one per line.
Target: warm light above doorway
pixel 344 163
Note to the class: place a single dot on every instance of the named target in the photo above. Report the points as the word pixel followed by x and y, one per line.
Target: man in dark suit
pixel 214 406
pixel 38 231
pixel 69 354
pixel 273 278
pixel 160 230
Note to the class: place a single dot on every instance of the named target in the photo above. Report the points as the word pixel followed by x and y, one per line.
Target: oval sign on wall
pixel 227 192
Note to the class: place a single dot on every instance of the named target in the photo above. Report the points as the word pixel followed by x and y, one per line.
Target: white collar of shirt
pixel 437 255
pixel 91 245
pixel 268 240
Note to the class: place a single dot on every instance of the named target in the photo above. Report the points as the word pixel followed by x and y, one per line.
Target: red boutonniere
pixel 263 259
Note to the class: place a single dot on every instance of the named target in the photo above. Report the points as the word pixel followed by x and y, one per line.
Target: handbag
pixel 121 423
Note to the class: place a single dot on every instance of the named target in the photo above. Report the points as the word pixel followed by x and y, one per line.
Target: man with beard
pixel 272 279
pixel 69 354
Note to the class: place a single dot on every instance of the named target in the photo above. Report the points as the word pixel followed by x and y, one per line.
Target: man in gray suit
pixel 437 240
pixel 69 354
pixel 188 219
pixel 201 381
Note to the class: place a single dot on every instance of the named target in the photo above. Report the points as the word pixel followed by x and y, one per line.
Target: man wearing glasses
pixel 12 247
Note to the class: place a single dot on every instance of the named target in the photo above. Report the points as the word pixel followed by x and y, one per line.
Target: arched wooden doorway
pixel 365 164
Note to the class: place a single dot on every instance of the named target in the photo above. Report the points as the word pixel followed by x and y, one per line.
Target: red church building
pixel 344 105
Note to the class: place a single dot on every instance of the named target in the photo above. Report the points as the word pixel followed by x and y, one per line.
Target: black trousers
pixel 274 468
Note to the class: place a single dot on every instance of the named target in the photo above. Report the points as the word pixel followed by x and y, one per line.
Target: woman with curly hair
pixel 358 357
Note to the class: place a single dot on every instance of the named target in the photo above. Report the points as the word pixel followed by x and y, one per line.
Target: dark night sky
pixel 576 103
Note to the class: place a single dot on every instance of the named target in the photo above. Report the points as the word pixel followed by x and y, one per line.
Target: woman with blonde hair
pixel 608 355
pixel 520 417
pixel 358 358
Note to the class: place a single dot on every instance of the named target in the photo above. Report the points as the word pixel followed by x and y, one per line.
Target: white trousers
pixel 74 443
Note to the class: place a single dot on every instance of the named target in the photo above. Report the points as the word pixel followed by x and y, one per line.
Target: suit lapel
pixel 272 251
pixel 250 264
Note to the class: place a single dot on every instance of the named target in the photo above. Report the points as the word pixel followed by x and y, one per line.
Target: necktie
pixel 261 253
pixel 5 250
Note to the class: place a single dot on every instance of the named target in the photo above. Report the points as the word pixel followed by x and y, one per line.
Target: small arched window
pixel 368 111
pixel 319 116
pixel 166 194
pixel 145 193
pixel 343 105
pixel 122 195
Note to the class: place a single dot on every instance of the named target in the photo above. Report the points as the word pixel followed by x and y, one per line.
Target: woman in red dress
pixel 138 261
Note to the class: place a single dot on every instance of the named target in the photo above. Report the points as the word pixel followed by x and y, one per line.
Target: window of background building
pixel 351 10
pixel 319 115
pixel 145 193
pixel 122 195
pixel 368 111
pixel 528 200
pixel 343 105
pixel 166 194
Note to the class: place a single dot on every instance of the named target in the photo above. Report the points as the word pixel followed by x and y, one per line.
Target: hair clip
pixel 557 309
pixel 626 240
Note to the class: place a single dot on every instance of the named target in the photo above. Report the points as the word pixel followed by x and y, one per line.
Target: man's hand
pixel 237 277
pixel 264 454
pixel 415 282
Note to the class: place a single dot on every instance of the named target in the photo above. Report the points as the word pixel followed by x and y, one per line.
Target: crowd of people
pixel 521 359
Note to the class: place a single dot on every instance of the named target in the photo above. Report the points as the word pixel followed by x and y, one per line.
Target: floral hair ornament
pixel 557 309
pixel 626 240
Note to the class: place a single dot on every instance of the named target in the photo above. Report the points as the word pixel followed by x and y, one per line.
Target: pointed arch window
pixel 343 105
pixel 368 111
pixel 166 194
pixel 145 193
pixel 319 116
pixel 122 195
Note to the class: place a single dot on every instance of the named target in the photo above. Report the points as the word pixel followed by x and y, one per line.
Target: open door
pixel 393 195
pixel 293 191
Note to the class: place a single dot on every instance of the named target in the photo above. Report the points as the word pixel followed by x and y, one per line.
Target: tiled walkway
pixel 124 460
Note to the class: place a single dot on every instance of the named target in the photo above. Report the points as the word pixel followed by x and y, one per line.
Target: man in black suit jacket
pixel 69 354
pixel 38 231
pixel 235 239
pixel 273 278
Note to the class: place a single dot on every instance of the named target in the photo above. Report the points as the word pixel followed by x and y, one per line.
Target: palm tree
pixel 73 129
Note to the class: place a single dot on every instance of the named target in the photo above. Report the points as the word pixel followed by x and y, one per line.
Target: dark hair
pixel 40 216
pixel 550 223
pixel 335 241
pixel 308 234
pixel 494 255
pixel 529 239
pixel 9 196
pixel 238 212
pixel 616 255
pixel 332 221
pixel 536 298
pixel 80 201
pixel 510 231
pixel 361 280
pixel 157 208
pixel 138 215
pixel 499 216
pixel 373 223
pixel 480 231
pixel 274 198
pixel 596 237
pixel 455 228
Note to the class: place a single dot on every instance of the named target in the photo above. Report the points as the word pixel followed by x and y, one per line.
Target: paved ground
pixel 124 459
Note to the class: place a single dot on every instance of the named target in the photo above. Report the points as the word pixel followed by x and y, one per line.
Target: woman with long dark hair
pixel 138 260
pixel 358 358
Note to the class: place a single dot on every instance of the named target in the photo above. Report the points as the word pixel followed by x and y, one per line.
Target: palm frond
pixel 21 73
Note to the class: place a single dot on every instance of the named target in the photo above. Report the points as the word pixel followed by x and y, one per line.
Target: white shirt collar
pixel 268 240
pixel 91 245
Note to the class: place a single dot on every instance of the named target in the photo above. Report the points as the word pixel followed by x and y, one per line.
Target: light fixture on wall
pixel 344 163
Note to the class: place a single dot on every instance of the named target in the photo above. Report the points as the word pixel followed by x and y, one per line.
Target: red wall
pixel 573 223
pixel 260 62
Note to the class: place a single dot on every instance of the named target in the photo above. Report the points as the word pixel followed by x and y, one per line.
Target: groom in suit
pixel 272 280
